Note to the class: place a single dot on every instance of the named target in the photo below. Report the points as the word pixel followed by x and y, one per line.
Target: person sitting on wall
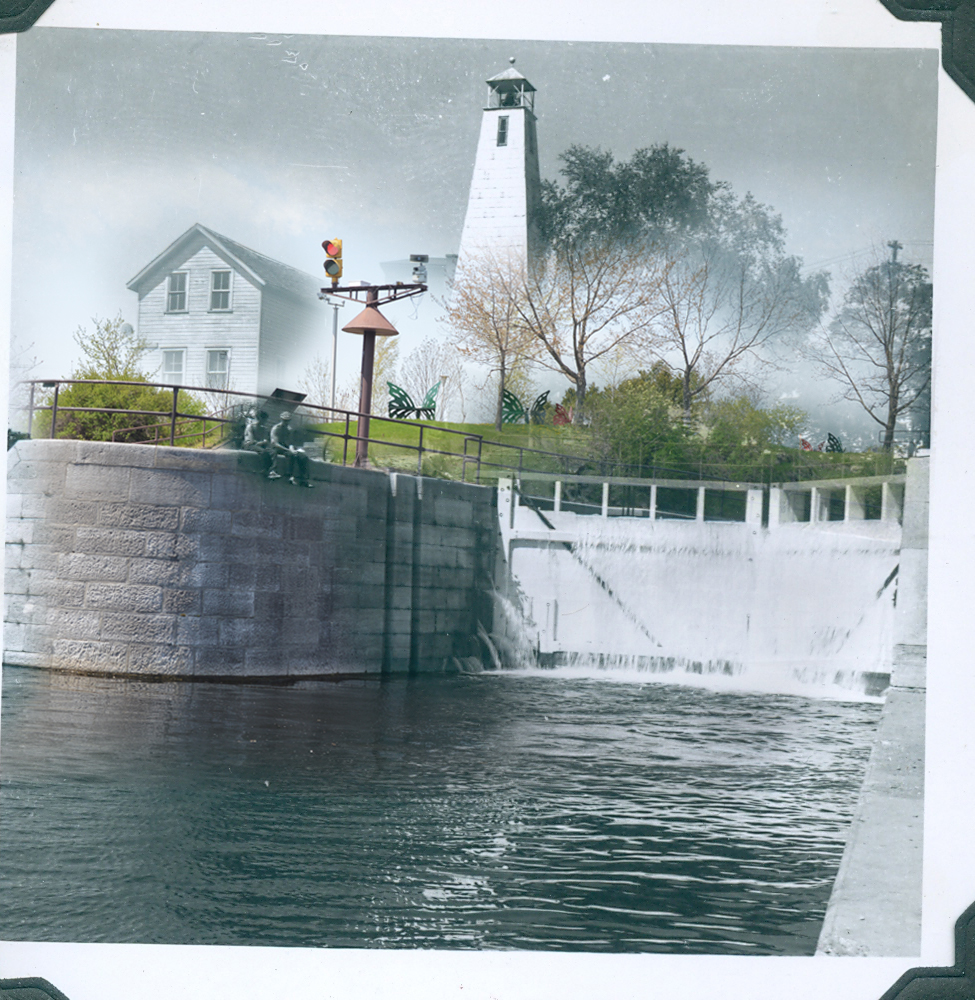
pixel 257 438
pixel 286 443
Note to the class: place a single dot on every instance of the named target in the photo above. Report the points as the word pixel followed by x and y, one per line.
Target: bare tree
pixel 718 308
pixel 432 362
pixel 583 302
pixel 483 317
pixel 316 381
pixel 878 345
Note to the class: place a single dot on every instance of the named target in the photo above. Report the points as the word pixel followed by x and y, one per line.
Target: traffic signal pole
pixel 351 293
pixel 365 387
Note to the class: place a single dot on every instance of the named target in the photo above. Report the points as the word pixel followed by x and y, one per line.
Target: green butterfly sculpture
pixel 512 412
pixel 402 407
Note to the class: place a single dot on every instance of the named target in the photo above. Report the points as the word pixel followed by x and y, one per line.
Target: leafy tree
pixel 634 423
pixel 878 345
pixel 739 429
pixel 112 352
pixel 657 194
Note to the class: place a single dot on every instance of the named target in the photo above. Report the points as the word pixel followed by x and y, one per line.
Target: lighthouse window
pixel 503 130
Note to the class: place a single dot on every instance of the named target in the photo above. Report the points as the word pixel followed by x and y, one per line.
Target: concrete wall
pixel 132 559
pixel 875 906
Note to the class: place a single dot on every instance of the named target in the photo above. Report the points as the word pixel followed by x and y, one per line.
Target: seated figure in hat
pixel 257 438
pixel 286 442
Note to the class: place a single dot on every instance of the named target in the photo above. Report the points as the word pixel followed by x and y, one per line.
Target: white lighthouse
pixel 505 187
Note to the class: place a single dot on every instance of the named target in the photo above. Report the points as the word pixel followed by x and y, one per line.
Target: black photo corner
pixel 957 19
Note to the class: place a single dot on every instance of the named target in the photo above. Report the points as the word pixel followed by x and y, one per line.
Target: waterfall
pixel 806 608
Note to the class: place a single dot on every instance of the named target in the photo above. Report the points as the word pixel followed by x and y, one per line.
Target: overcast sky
pixel 125 139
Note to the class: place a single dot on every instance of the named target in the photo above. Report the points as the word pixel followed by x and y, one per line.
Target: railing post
pixel 699 513
pixel 480 445
pixel 605 509
pixel 558 495
pixel 653 502
pixel 54 409
pixel 419 454
pixel 345 446
pixel 172 424
pixel 30 410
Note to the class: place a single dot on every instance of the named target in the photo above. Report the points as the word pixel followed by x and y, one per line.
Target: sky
pixel 124 139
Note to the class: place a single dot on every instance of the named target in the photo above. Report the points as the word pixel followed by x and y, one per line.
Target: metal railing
pixel 475 455
pixel 471 456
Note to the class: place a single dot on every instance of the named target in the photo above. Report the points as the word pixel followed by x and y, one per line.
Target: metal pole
pixel 172 425
pixel 54 410
pixel 335 351
pixel 30 411
pixel 365 393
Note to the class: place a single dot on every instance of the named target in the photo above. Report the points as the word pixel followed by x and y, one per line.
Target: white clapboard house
pixel 220 315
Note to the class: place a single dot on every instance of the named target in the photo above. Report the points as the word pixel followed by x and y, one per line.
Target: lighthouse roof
pixel 510 79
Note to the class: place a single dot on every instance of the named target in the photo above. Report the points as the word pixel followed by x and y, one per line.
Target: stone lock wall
pixel 134 559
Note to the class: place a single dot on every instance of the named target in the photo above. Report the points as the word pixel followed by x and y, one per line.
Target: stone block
pixel 251 633
pixel 302 528
pixel 452 513
pixel 195 460
pixel 81 566
pixel 13 556
pixel 88 656
pixel 161 544
pixel 399 597
pixel 138 628
pixel 219 661
pixel 112 541
pixel 56 510
pixel 211 522
pixel 237 492
pixel 228 603
pixel 203 574
pixel 61 593
pixel 132 456
pixel 136 515
pixel 123 597
pixel 182 602
pixel 253 523
pixel 96 482
pixel 195 630
pixel 155 659
pixel 21 532
pixel 13 637
pixel 74 623
pixel 360 574
pixel 157 572
pixel 170 487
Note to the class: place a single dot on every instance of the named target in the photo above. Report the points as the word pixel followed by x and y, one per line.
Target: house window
pixel 503 130
pixel 219 290
pixel 176 299
pixel 218 369
pixel 172 369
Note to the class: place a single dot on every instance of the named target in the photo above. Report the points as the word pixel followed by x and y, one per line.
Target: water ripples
pixel 493 811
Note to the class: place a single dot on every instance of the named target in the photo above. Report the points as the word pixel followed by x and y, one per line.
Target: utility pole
pixel 336 305
pixel 894 247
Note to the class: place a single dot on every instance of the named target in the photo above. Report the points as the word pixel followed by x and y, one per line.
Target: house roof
pixel 260 270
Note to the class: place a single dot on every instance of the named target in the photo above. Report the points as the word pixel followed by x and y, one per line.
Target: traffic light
pixel 333 264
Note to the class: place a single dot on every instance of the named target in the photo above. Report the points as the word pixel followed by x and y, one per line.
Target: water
pixel 523 810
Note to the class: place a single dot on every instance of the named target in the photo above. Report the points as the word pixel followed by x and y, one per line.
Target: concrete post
pixel 558 496
pixel 854 507
pixel 890 503
pixel 699 514
pixel 653 503
pixel 753 507
pixel 814 501
pixel 605 511
pixel 506 504
pixel 779 508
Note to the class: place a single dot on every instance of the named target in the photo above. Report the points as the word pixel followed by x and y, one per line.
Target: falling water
pixel 804 609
